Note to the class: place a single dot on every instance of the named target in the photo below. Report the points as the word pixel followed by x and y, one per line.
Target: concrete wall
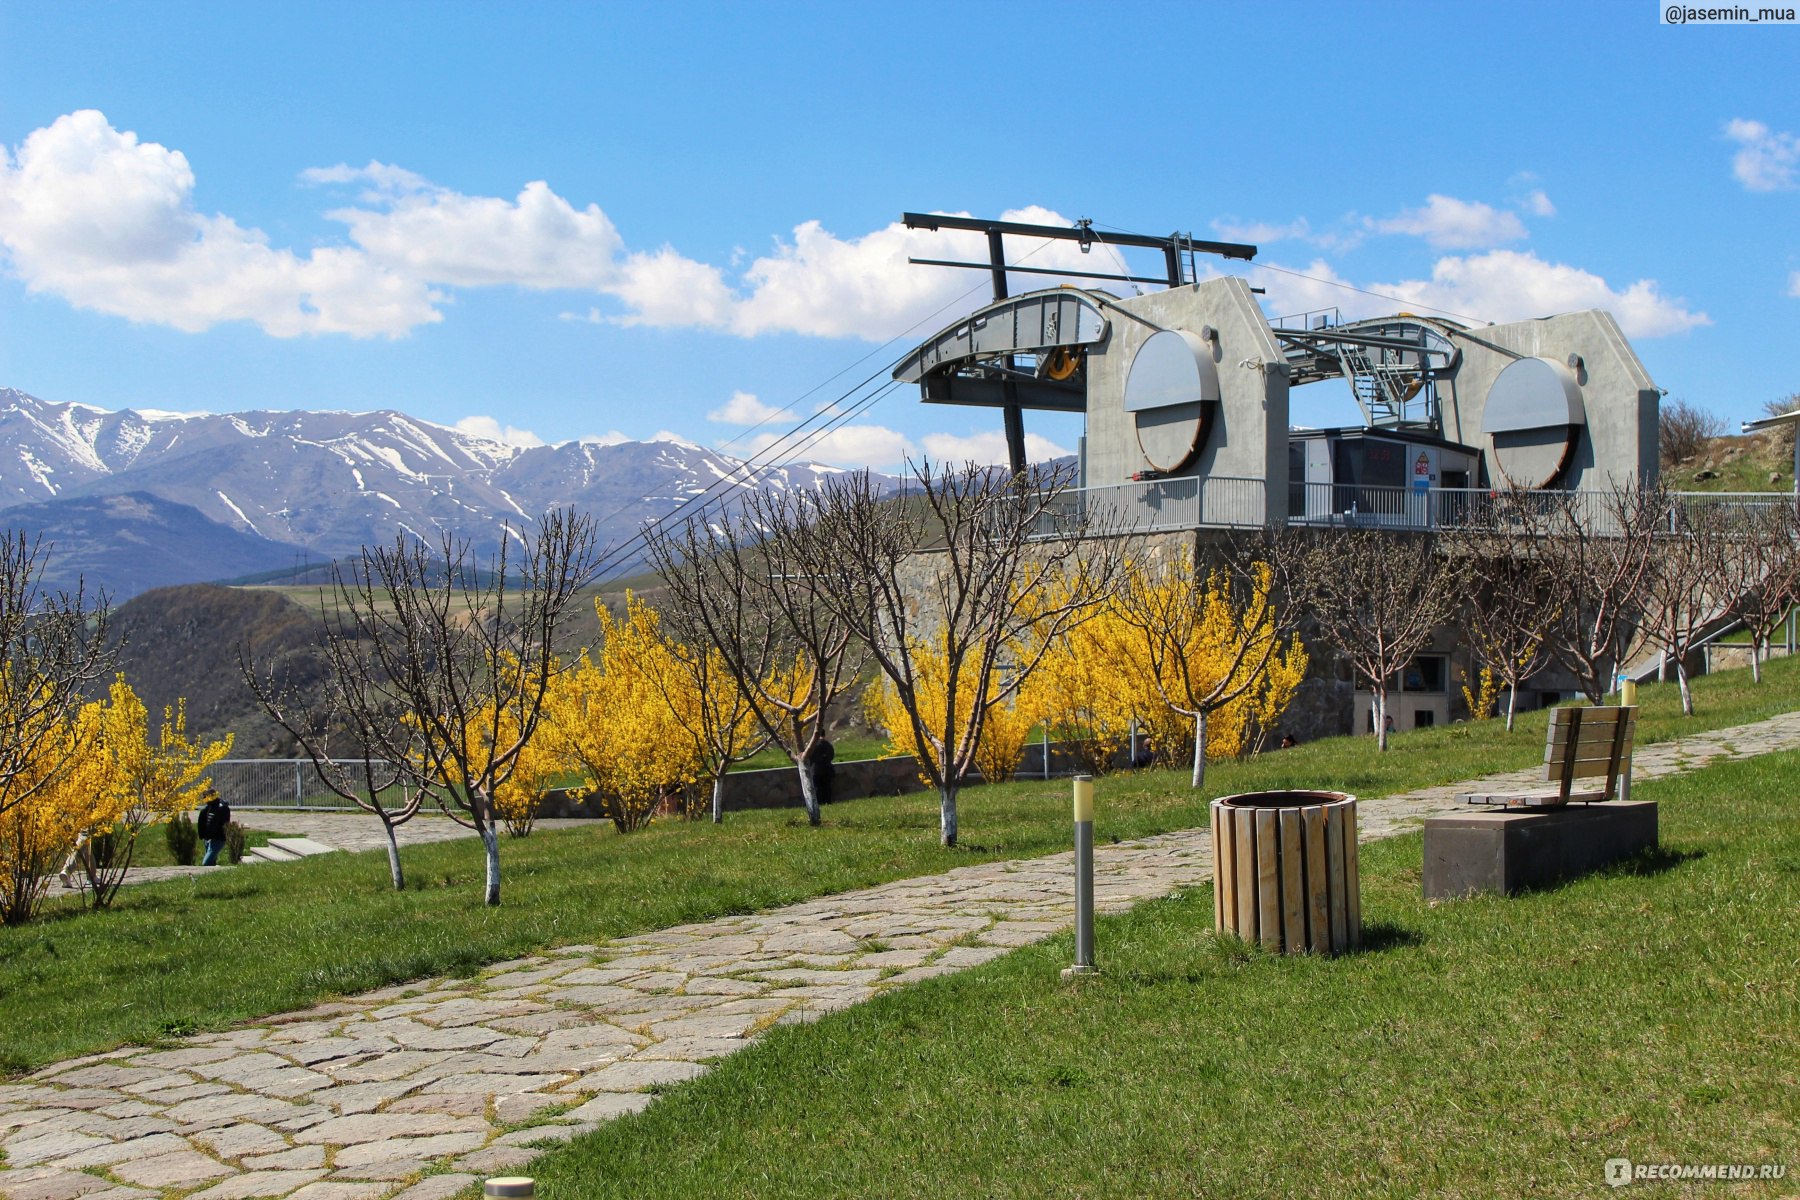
pixel 1619 443
pixel 1250 429
pixel 779 787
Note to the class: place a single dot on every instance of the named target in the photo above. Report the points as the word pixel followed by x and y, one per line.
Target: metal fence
pixel 287 783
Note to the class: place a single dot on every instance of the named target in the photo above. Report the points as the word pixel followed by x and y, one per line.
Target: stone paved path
pixel 354 1100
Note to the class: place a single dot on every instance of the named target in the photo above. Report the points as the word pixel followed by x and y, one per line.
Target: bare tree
pixel 742 584
pixel 52 650
pixel 1760 561
pixel 1597 554
pixel 1506 602
pixel 974 569
pixel 462 654
pixel 351 715
pixel 1683 590
pixel 1377 597
pixel 1684 431
pixel 1242 584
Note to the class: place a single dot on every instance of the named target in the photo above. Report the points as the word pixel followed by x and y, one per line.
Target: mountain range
pixel 136 499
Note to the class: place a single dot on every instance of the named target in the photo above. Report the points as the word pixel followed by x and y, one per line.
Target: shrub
pixel 184 840
pixel 1684 431
pixel 234 843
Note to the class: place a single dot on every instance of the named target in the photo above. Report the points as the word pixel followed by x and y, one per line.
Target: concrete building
pixel 1185 394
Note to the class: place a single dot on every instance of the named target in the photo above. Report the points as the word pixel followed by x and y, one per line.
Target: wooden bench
pixel 1585 748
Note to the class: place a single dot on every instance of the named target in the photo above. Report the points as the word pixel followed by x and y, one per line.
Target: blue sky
pixel 602 219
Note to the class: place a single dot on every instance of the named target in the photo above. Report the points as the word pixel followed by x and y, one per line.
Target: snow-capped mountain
pixel 333 481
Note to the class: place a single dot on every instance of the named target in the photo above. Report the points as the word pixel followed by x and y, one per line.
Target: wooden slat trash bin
pixel 1285 871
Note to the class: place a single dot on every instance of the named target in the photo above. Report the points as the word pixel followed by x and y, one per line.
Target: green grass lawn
pixel 1484 1047
pixel 228 946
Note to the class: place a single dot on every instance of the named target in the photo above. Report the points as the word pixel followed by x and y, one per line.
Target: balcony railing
pixel 1165 505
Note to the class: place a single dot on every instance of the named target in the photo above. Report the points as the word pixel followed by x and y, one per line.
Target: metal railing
pixel 1214 501
pixel 286 783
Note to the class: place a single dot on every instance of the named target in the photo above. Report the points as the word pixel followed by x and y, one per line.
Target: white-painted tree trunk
pixel 718 807
pixel 393 849
pixel 1512 705
pixel 947 815
pixel 490 841
pixel 809 793
pixel 1687 695
pixel 1757 651
pixel 1200 750
pixel 1381 729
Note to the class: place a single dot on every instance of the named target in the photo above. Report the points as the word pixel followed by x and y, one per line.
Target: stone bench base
pixel 1512 850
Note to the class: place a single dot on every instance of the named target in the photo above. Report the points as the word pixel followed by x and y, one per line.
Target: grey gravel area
pixel 358 1099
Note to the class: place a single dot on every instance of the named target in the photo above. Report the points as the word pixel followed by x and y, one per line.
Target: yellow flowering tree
pixel 1011 712
pixel 61 801
pixel 613 719
pixel 148 782
pixel 1219 649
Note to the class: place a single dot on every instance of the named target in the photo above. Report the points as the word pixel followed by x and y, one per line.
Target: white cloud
pixel 536 240
pixel 845 446
pixel 1794 284
pixel 1768 160
pixel 493 431
pixel 1447 223
pixel 610 438
pixel 91 214
pixel 743 409
pixel 1291 291
pixel 1502 285
pixel 1260 232
pixel 987 449
pixel 1507 285
pixel 1538 204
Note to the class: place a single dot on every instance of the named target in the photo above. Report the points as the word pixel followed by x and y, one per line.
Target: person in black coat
pixel 214 820
pixel 819 760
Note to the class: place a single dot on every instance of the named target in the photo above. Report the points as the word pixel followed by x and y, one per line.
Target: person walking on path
pixel 215 818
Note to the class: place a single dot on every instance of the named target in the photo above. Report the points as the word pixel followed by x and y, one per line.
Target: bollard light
pixel 1084 878
pixel 1627 699
pixel 510 1187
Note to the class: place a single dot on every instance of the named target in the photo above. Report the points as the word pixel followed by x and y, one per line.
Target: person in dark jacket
pixel 214 819
pixel 819 759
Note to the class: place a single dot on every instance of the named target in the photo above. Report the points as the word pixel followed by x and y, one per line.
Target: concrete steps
pixel 286 850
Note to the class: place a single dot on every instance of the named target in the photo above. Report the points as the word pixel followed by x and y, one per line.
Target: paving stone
pixel 436 1187
pixel 327 1190
pixel 495 1084
pixel 54 1144
pixel 108 1153
pixel 349 1098
pixel 298 1159
pixel 509 1110
pixel 228 1108
pixel 183 1169
pixel 637 1074
pixel 537 1135
pixel 391 1171
pixel 236 1141
pixel 495 1159
pixel 258 1183
pixel 48 1185
pixel 694 1049
pixel 374 1127
pixel 454 1104
pixel 607 1105
pixel 417 1148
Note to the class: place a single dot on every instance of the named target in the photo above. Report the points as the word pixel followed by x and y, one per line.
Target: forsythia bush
pixel 98 775
pixel 621 719
pixel 1008 724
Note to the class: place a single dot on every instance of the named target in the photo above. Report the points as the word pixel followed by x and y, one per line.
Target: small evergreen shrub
pixel 184 840
pixel 234 843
